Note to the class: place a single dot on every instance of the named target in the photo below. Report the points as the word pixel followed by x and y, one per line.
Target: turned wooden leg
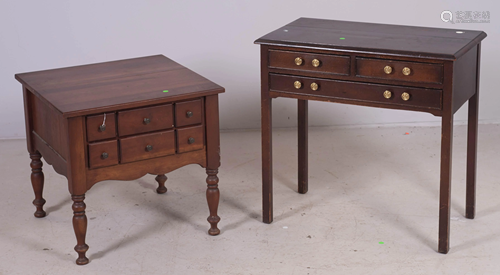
pixel 445 186
pixel 161 179
pixel 303 148
pixel 80 227
pixel 37 179
pixel 213 200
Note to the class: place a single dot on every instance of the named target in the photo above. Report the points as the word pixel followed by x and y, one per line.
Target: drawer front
pixel 190 139
pixel 103 154
pixel 324 63
pixel 99 128
pixel 427 98
pixel 145 120
pixel 399 70
pixel 188 113
pixel 147 146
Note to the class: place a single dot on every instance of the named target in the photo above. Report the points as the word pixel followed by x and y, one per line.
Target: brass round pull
pixel 297 84
pixel 298 61
pixel 406 71
pixel 316 62
pixel 149 148
pixel 405 96
pixel 314 86
pixel 388 69
pixel 102 128
pixel 189 114
pixel 387 94
pixel 190 140
pixel 146 121
pixel 104 155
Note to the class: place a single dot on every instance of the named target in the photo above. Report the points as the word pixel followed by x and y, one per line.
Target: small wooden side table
pixel 387 66
pixel 119 121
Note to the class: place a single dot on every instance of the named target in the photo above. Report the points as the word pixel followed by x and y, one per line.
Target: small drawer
pixel 324 63
pixel 147 146
pixel 145 120
pixel 190 139
pixel 99 128
pixel 188 113
pixel 399 70
pixel 103 154
pixel 386 94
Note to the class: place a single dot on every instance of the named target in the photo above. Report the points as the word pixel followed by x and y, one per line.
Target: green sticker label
pixel 342 38
pixel 165 91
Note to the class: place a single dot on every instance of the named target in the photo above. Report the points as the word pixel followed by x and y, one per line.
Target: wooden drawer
pixel 103 154
pixel 96 132
pixel 145 120
pixel 399 70
pixel 332 64
pixel 147 146
pixel 190 139
pixel 188 113
pixel 418 97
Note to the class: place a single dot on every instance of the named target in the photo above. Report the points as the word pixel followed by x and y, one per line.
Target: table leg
pixel 213 200
pixel 445 186
pixel 37 180
pixel 80 227
pixel 302 147
pixel 213 161
pixel 267 159
pixel 161 179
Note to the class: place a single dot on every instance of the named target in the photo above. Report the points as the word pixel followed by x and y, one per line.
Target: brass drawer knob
pixel 102 128
pixel 406 71
pixel 297 84
pixel 146 121
pixel 405 96
pixel 314 86
pixel 104 155
pixel 388 69
pixel 189 114
pixel 316 62
pixel 298 61
pixel 149 148
pixel 190 140
pixel 387 94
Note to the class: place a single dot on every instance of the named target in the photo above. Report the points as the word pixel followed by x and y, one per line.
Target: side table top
pixel 128 83
pixel 378 38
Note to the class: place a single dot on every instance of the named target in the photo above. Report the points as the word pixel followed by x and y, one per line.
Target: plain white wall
pixel 215 39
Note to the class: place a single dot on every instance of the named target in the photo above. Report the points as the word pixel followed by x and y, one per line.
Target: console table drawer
pixel 147 146
pixel 399 70
pixel 333 64
pixel 145 120
pixel 102 154
pixel 188 113
pixel 190 139
pixel 99 127
pixel 389 94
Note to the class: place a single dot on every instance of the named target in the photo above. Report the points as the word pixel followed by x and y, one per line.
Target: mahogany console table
pixel 387 66
pixel 119 121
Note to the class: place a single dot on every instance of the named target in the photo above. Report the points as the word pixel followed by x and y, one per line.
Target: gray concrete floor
pixel 366 186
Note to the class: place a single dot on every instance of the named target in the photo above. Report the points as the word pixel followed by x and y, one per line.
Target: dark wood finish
pixel 470 201
pixel 183 139
pixel 161 179
pixel 188 113
pixel 96 151
pixel 420 72
pixel 213 161
pixel 303 124
pixel 145 120
pixel 444 67
pixel 96 132
pixel 65 108
pixel 37 180
pixel 332 64
pixel 333 89
pixel 136 147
